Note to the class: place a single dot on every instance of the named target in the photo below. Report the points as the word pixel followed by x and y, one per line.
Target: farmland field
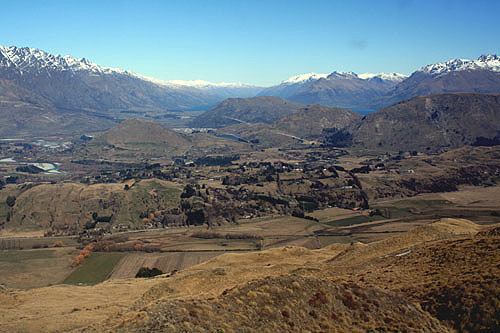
pixel 166 262
pixel 94 269
pixel 25 269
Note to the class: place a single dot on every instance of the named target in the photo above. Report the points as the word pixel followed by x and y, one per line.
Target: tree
pixel 10 201
pixel 148 272
pixel 188 192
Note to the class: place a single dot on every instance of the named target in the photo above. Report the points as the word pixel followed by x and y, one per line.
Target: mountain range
pixel 374 91
pixel 43 94
pixel 340 89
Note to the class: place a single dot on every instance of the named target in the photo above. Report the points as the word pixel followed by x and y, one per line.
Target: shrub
pixel 10 201
pixel 146 272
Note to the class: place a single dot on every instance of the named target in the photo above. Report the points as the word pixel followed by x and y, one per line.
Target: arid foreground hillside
pixel 438 277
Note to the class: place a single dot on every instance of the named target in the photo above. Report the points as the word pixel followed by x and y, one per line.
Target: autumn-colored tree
pixel 77 260
pixel 58 244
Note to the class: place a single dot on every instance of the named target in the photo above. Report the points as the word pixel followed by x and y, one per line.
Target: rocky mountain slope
pixel 264 109
pixel 339 89
pixel 429 123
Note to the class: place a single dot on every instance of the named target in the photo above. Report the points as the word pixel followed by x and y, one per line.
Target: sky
pixel 256 42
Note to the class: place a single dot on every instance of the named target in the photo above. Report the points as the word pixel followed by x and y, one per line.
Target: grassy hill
pixel 70 206
pixel 136 139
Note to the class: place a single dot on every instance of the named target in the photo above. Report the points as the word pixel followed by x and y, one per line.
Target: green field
pixel 95 268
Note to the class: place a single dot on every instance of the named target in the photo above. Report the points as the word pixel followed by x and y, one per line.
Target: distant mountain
pixel 45 94
pixel 309 123
pixel 264 109
pixel 429 123
pixel 458 75
pixel 72 83
pixel 313 120
pixel 339 89
pixel 223 89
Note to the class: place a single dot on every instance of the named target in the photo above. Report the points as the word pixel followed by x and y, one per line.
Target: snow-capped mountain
pixel 394 77
pixel 457 75
pixel 224 89
pixel 43 93
pixel 341 89
pixel 301 78
pixel 29 59
pixel 485 62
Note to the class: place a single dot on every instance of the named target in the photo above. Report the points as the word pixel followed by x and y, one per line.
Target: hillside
pixel 313 120
pixel 429 123
pixel 265 109
pixel 135 139
pixel 406 283
pixel 136 131
pixel 69 207
pixel 308 123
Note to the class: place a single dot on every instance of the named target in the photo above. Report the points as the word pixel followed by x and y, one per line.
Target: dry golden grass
pixel 278 289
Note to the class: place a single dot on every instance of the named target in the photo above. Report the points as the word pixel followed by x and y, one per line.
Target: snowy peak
pixel 394 77
pixel 33 60
pixel 343 75
pixel 304 78
pixel 485 62
pixel 29 59
pixel 201 84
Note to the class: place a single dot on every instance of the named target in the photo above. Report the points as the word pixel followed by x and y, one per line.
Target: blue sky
pixel 257 42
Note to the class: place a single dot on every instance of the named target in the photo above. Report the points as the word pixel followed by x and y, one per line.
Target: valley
pixel 129 203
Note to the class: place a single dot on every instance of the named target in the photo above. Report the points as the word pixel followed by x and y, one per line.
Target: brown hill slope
pixel 294 288
pixel 431 122
pixel 309 122
pixel 136 131
pixel 265 109
pixel 136 139
pixel 289 303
